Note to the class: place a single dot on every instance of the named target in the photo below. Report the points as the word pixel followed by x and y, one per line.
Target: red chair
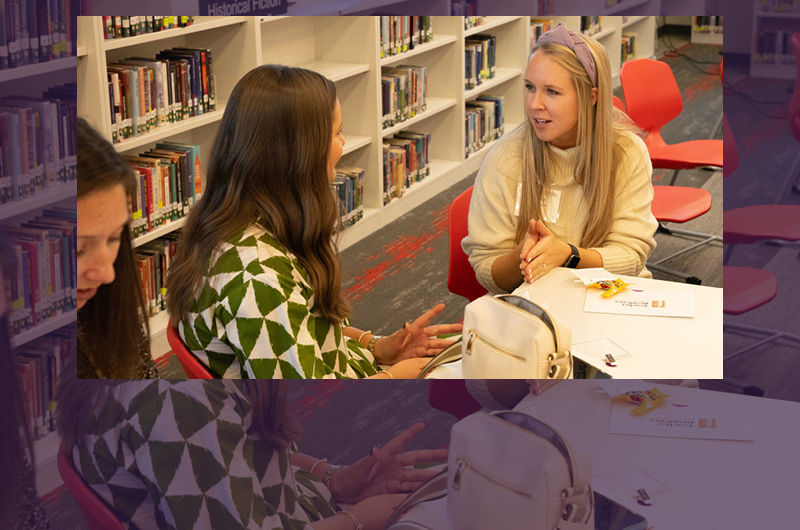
pixel 676 204
pixel 194 369
pixel 451 396
pixel 653 100
pixel 745 288
pixel 96 512
pixel 461 278
pixel 794 123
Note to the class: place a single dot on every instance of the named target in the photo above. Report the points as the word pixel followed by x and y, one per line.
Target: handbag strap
pixel 435 488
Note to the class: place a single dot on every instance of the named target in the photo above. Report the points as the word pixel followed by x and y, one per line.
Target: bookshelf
pixel 34 70
pixel 367 7
pixel 786 22
pixel 610 37
pixel 701 37
pixel 34 80
pixel 606 7
pixel 347 51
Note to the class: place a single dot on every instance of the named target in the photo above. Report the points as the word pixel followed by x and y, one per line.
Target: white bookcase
pixel 347 51
pixel 787 22
pixel 606 7
pixel 610 37
pixel 34 80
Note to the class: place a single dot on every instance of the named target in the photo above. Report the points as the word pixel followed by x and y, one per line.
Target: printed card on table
pixel 651 303
pixel 674 420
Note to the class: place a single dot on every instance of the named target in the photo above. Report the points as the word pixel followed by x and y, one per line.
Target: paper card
pixel 589 276
pixel 594 352
pixel 626 484
pixel 651 303
pixel 675 420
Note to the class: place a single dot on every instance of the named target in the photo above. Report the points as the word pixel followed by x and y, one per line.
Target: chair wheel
pixel 753 391
pixel 772 243
pixel 796 188
pixel 694 280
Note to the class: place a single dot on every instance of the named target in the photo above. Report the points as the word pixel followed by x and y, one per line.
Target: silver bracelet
pixel 358 525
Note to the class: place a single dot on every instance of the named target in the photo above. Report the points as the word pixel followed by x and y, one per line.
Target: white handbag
pixel 507 470
pixel 510 337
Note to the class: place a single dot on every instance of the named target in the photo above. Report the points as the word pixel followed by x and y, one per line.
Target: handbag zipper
pixel 474 336
pixel 462 466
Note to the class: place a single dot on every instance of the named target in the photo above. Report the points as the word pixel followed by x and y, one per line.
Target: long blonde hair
pixel 600 139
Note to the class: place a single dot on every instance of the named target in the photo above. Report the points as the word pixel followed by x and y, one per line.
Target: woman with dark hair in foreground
pixel 114 339
pixel 218 454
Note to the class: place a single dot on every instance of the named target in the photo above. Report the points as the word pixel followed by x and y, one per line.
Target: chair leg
pixel 717 127
pixel 747 389
pixel 771 336
pixel 688 278
pixel 792 181
pixel 674 177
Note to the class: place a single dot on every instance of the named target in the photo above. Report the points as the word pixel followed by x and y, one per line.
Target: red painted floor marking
pixel 400 253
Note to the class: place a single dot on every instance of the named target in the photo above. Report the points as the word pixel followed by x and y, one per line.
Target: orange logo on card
pixel 708 424
pixel 659 304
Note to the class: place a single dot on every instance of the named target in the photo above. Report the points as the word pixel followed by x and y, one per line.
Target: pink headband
pixel 561 35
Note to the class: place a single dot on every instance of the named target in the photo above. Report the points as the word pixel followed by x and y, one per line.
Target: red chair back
pixel 461 278
pixel 731 153
pixel 97 514
pixel 619 104
pixel 652 96
pixel 794 105
pixel 451 396
pixel 194 369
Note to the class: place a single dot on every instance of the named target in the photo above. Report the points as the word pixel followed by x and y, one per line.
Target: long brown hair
pixel 115 318
pixel 268 166
pixel 16 450
pixel 80 402
pixel 600 139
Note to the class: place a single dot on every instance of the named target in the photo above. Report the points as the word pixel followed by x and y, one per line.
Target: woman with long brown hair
pixel 113 335
pixel 571 186
pixel 218 454
pixel 255 287
pixel 20 506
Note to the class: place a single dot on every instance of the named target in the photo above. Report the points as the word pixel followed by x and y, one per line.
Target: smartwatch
pixel 574 258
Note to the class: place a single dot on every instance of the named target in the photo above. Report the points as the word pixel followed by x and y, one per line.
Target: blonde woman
pixel 571 186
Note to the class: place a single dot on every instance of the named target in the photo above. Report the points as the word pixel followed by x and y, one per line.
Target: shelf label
pixel 243 7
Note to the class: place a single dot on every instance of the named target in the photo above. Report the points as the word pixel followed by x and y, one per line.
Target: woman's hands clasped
pixel 417 339
pixel 541 252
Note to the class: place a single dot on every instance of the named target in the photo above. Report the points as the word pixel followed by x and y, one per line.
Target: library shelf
pixel 31 70
pixel 502 74
pixel 45 328
pixel 435 105
pixel 167 131
pixel 201 25
pixel 41 199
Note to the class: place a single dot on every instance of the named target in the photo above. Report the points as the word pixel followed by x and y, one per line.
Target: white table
pixel 661 347
pixel 714 484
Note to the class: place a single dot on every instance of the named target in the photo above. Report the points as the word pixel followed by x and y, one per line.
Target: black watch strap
pixel 574 259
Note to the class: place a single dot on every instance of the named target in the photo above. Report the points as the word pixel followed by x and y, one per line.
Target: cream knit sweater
pixel 492 224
